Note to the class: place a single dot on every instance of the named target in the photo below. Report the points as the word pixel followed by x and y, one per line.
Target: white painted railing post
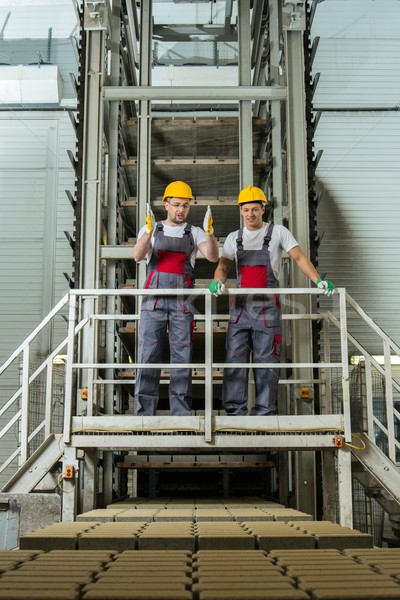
pixel 69 369
pixel 25 405
pixel 208 368
pixel 345 365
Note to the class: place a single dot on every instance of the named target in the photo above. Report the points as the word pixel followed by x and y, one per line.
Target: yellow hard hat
pixel 178 189
pixel 251 194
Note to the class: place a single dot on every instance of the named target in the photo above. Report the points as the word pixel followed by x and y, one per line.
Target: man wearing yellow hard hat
pixel 255 321
pixel 170 248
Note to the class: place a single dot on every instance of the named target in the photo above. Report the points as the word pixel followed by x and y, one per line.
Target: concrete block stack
pixel 271 535
pixel 224 535
pixel 332 535
pixel 167 536
pixel 332 575
pixel 60 536
pixel 241 575
pixel 144 576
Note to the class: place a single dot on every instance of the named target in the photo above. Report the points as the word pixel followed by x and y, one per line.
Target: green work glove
pixel 216 288
pixel 326 286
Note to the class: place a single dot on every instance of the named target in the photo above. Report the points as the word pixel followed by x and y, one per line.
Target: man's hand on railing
pixel 326 286
pixel 216 288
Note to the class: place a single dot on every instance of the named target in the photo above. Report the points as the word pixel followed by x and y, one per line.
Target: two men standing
pixel 255 322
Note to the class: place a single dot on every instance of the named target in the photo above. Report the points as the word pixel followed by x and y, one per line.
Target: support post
pixel 92 179
pixel 68 486
pixel 245 107
pixel 329 504
pixel 144 134
pixel 345 491
pixel 293 21
pixel 112 196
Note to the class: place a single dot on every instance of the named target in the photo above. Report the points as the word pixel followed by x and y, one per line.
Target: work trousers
pixel 152 329
pixel 250 338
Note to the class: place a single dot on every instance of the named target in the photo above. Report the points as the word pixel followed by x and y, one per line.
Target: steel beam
pixel 144 131
pixel 293 21
pixel 245 107
pixel 179 441
pixel 110 391
pixel 243 92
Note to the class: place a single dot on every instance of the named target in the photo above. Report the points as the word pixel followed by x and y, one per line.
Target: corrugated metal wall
pixel 359 132
pixel 34 213
pixel 34 173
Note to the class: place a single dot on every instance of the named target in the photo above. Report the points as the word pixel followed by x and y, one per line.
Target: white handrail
pixel 35 332
pixel 77 326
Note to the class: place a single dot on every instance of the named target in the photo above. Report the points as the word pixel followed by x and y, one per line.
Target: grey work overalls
pixel 169 268
pixel 254 327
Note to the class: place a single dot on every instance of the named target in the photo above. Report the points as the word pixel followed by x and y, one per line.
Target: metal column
pixel 144 133
pixel 245 106
pixel 92 178
pixel 293 21
pixel 112 196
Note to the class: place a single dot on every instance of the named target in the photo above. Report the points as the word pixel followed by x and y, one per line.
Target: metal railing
pixel 83 364
pixel 377 424
pixel 84 304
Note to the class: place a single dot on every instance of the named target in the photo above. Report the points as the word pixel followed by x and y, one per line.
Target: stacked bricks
pixel 145 515
pixel 167 536
pixel 226 535
pixel 331 575
pixel 331 535
pixel 175 514
pixel 117 536
pixel 353 574
pixel 100 515
pixel 273 535
pixel 382 560
pixel 250 514
pixel 288 514
pixel 241 575
pixel 213 514
pixel 58 575
pixel 164 575
pixel 60 536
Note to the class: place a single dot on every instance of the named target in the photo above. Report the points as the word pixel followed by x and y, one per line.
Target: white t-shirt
pixel 170 231
pixel 281 240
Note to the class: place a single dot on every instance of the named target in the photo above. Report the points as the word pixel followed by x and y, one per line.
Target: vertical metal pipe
pixel 68 401
pixel 293 22
pixel 345 364
pixel 245 107
pixel 370 404
pixel 25 405
pixel 49 398
pixel 389 399
pixel 110 391
pixel 208 350
pixel 144 133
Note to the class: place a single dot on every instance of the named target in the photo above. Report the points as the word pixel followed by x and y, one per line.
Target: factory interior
pixel 98 502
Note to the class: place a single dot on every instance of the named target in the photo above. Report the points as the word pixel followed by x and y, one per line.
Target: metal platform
pixel 314 432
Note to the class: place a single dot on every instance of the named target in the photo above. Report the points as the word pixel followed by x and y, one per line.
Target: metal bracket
pixel 294 15
pixel 95 16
